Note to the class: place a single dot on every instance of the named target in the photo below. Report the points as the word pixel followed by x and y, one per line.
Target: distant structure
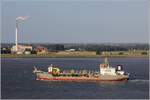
pixel 20 49
pixel 71 50
pixel 41 50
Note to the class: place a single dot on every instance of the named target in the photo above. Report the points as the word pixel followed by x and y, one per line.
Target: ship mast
pixel 106 59
pixel 106 62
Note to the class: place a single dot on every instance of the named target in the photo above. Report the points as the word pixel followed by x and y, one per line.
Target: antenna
pixel 106 59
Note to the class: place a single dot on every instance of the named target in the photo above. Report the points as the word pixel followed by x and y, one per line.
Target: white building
pixel 71 50
pixel 21 49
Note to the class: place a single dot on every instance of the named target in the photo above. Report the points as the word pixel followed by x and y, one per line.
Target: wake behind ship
pixel 105 73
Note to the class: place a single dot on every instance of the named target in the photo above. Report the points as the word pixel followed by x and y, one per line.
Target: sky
pixel 75 21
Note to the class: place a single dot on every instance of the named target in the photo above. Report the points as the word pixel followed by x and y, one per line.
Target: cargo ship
pixel 105 73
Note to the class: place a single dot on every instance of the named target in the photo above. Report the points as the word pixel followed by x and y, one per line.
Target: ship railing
pixel 84 73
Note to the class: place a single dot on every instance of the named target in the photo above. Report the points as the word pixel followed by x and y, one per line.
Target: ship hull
pixel 49 77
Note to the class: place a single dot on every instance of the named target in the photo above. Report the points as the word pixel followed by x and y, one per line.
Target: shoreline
pixel 69 56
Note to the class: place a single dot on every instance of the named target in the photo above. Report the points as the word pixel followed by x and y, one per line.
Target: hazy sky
pixel 80 21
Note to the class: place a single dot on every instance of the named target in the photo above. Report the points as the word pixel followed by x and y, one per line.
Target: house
pixel 41 50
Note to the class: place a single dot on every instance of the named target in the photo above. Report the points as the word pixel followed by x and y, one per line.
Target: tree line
pixel 6 48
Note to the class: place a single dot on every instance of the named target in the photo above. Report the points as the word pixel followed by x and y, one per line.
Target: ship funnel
pixel 119 67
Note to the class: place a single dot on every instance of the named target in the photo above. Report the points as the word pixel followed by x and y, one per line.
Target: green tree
pixel 98 52
pixel 144 53
pixel 120 53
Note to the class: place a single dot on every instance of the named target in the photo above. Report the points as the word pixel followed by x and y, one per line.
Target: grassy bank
pixel 77 54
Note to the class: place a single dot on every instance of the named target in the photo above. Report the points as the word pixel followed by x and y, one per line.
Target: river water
pixel 18 81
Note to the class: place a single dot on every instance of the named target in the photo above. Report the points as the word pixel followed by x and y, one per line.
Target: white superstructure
pixel 108 71
pixel 105 69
